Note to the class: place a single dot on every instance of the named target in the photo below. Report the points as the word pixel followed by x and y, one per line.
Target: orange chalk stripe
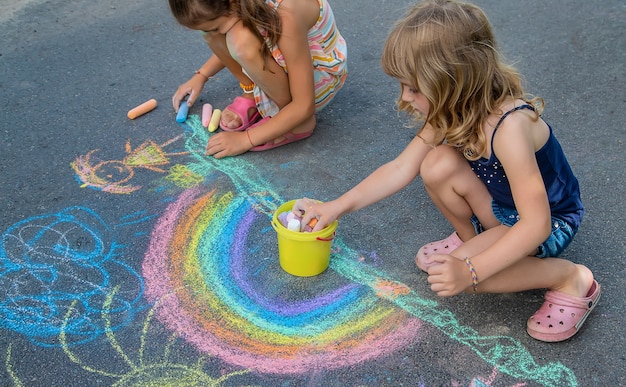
pixel 142 109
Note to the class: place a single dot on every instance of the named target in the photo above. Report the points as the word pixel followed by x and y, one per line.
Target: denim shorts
pixel 560 237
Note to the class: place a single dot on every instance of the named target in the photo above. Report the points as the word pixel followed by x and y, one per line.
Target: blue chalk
pixel 183 109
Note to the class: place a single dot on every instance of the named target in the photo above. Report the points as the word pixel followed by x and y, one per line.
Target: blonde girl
pixel 491 165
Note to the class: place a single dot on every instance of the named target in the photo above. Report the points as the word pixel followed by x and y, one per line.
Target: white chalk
pixel 294 225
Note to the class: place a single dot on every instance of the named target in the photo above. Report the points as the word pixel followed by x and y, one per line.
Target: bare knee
pixel 439 165
pixel 244 47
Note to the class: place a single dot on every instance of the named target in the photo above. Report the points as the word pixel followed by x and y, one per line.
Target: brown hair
pixel 254 14
pixel 446 49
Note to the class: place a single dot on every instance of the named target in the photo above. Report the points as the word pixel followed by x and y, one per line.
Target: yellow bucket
pixel 302 254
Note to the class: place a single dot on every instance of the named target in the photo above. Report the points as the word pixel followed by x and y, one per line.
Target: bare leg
pixel 456 191
pixel 528 273
pixel 239 49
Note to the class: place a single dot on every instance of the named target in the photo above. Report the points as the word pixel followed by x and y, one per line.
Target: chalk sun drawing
pixel 113 176
pixel 50 262
pixel 161 370
pixel 194 263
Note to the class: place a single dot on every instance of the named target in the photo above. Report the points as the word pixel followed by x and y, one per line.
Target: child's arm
pixel 297 17
pixel 383 182
pixel 194 85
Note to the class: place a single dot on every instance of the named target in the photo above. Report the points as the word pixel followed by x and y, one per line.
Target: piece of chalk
pixel 215 120
pixel 294 225
pixel 291 215
pixel 183 109
pixel 312 222
pixel 207 111
pixel 282 217
pixel 142 109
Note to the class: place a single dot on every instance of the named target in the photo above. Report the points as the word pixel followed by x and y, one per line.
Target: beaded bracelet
pixel 249 139
pixel 247 88
pixel 200 73
pixel 473 273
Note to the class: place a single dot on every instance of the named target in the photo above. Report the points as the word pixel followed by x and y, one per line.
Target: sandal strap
pixel 562 299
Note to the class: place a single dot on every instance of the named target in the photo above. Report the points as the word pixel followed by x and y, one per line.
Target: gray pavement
pixel 129 258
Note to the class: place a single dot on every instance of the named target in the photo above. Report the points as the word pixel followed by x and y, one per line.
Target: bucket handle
pixel 328 239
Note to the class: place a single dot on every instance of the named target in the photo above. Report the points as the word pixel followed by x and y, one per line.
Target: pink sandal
pixel 445 246
pixel 287 138
pixel 561 315
pixel 241 106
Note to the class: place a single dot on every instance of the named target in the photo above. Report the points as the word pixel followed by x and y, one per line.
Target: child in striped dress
pixel 289 59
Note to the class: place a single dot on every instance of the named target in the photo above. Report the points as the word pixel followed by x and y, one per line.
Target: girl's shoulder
pixel 517 118
pixel 305 12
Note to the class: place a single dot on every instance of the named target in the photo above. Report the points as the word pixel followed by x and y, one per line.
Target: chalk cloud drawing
pixel 195 265
pixel 114 176
pixel 53 261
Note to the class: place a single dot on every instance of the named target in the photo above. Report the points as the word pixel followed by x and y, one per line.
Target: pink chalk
pixel 207 112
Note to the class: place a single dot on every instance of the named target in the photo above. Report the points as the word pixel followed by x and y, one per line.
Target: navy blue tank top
pixel 558 178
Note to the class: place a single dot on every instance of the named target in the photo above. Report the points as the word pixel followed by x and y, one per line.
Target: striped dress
pixel 328 53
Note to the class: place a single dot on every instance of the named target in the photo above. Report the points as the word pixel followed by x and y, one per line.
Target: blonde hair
pixel 446 49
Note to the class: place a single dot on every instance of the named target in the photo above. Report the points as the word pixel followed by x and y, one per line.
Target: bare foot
pixel 232 120
pixel 578 284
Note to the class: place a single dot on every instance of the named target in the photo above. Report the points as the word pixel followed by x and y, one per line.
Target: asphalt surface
pixel 129 258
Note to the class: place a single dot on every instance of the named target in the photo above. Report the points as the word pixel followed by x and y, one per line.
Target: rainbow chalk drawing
pixel 57 262
pixel 201 268
pixel 195 264
pixel 113 176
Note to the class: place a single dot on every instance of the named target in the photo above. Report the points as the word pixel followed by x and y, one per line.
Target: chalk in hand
pixel 207 111
pixel 183 109
pixel 142 109
pixel 215 120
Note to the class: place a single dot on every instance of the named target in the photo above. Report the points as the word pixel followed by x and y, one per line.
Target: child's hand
pixel 310 209
pixel 227 144
pixel 449 276
pixel 191 88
